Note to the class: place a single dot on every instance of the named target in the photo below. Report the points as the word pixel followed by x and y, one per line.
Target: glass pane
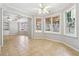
pixel 38 24
pixel 70 22
pixel 48 24
pixel 55 23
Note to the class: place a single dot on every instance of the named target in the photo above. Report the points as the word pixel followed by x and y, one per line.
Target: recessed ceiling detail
pixel 30 8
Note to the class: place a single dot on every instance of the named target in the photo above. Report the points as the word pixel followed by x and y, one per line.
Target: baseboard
pixel 65 44
pixel 59 42
pixel 0 49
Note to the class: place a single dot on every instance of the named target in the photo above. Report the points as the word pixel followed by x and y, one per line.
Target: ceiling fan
pixel 43 8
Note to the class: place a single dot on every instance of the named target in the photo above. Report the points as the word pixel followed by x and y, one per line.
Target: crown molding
pixel 14 10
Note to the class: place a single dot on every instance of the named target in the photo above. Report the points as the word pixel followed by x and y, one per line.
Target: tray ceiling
pixel 28 8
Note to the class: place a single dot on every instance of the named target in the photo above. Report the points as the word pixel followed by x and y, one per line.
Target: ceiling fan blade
pixel 46 11
pixel 42 9
pixel 40 5
pixel 47 7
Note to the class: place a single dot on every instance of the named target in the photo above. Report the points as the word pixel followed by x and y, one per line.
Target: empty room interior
pixel 39 29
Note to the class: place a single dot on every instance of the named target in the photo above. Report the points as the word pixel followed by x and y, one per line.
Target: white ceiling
pixel 28 8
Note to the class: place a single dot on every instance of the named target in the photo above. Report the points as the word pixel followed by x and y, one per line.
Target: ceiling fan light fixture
pixel 43 9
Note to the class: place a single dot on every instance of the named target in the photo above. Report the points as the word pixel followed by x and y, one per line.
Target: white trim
pixel 65 44
pixel 10 9
pixel 55 40
pixel 57 14
pixel 62 43
pixel 2 28
pixel 35 25
pixel 32 27
pixel 0 49
pixel 72 35
pixel 45 25
pixel 38 31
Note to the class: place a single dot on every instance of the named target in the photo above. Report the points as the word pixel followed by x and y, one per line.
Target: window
pixel 38 24
pixel 52 24
pixel 56 23
pixel 70 22
pixel 48 24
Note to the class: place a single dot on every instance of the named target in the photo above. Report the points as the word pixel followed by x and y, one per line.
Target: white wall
pixel 77 16
pixel 72 41
pixel 0 26
pixel 13 26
